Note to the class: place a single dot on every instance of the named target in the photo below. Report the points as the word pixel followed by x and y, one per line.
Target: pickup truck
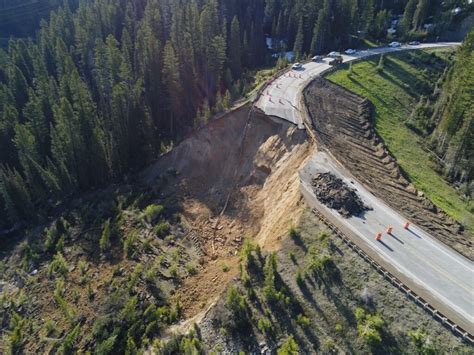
pixel 336 61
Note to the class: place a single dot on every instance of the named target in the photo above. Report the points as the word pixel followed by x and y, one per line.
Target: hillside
pixel 319 293
pixel 395 90
pixel 113 270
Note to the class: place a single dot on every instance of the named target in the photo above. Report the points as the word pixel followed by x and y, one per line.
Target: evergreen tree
pixel 407 19
pixel 299 40
pixel 172 83
pixel 421 13
pixel 367 16
pixel 321 29
pixel 235 50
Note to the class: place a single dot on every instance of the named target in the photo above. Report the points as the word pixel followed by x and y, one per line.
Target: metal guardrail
pixel 457 330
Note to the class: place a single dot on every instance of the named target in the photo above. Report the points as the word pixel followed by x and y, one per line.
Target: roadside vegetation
pixel 395 84
pixel 317 295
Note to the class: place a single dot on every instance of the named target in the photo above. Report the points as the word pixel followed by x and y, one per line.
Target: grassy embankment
pixel 395 92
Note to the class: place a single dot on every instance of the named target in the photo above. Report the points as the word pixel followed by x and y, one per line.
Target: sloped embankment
pixel 235 178
pixel 343 123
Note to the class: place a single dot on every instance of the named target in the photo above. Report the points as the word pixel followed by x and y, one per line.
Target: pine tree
pixel 172 83
pixel 321 30
pixel 16 197
pixel 407 19
pixel 235 50
pixel 367 16
pixel 299 40
pixel 421 13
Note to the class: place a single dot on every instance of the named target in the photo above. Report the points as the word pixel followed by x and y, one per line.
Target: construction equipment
pixel 336 61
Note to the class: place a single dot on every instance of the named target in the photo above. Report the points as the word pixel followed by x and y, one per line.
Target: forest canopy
pixel 103 85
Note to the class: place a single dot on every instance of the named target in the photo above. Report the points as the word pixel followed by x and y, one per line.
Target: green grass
pixel 395 92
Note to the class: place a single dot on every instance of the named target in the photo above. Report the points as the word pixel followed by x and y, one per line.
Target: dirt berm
pixel 235 178
pixel 343 123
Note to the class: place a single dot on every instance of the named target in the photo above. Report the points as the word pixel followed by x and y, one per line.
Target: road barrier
pixel 457 330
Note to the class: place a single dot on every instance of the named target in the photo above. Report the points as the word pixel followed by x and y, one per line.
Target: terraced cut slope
pixel 395 91
pixel 343 124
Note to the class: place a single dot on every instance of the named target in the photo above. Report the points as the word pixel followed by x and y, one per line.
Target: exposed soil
pixel 343 124
pixel 336 194
pixel 237 178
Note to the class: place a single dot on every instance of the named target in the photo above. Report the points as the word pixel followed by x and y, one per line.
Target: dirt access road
pixel 442 276
pixel 282 97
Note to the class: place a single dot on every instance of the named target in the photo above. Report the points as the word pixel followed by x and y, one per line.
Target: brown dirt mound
pixel 336 194
pixel 343 123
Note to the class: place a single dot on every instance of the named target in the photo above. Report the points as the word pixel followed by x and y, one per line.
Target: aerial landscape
pixel 236 177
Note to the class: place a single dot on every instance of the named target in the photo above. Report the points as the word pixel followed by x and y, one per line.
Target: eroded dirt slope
pixel 236 178
pixel 343 124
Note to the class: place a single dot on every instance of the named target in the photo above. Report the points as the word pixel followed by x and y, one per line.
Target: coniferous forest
pixel 104 85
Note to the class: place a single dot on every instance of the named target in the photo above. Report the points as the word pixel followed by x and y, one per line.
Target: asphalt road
pixel 282 97
pixel 437 273
pixel 443 276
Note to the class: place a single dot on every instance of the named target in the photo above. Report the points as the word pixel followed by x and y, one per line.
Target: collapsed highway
pixel 440 275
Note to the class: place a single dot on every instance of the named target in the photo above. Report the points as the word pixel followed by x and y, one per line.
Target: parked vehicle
pixel 414 43
pixel 336 61
pixel 350 51
pixel 297 66
pixel 334 54
pixel 317 58
pixel 395 44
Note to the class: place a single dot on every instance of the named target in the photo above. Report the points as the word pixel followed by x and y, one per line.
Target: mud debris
pixel 336 194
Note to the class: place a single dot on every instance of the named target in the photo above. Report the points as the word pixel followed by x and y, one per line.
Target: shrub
pixel 161 229
pixel 152 212
pixel 289 347
pixel 29 255
pixel 51 327
pixel 82 266
pixel 52 235
pixel 59 287
pixel 319 262
pixel 191 269
pixel 299 279
pixel 237 305
pixel 104 241
pixel 293 233
pixel 58 265
pixel 135 276
pixel 369 327
pixel 264 325
pixel 128 243
pixel 303 321
pixel 69 341
pixel 422 343
pixel 68 311
pixel 16 337
pixel 174 272
pixel 225 268
pixel 247 250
